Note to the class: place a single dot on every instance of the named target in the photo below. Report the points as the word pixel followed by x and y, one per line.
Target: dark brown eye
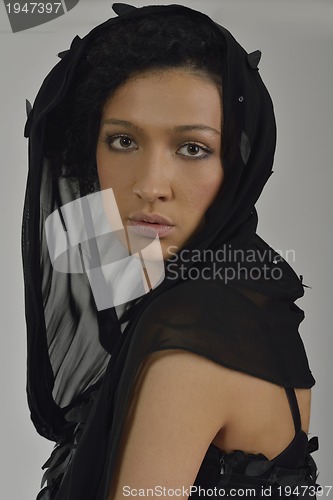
pixel 193 149
pixel 121 142
pixel 125 142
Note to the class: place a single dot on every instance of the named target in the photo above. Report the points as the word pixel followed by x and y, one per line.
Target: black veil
pixel 240 312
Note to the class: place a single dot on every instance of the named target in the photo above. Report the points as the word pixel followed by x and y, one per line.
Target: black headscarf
pixel 81 361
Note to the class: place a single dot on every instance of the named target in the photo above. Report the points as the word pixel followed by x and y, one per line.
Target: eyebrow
pixel 179 128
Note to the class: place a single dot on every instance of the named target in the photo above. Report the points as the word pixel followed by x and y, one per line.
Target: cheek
pixel 205 191
pixel 112 175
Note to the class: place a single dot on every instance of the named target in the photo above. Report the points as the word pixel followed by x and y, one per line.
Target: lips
pixel 151 218
pixel 150 225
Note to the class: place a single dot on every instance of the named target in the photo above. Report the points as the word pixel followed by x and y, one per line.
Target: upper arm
pixel 177 407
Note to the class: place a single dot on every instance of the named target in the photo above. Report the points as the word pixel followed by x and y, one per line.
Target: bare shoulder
pixel 180 403
pixel 174 414
pixel 188 381
pixel 229 397
pixel 232 389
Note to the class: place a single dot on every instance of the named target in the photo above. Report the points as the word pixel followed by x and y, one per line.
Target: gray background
pixel 295 209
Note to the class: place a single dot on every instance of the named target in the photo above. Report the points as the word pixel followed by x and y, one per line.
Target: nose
pixel 153 179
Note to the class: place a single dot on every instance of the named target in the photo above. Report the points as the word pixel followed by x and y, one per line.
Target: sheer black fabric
pixel 240 312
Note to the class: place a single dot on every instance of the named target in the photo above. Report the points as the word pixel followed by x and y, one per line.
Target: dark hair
pixel 130 47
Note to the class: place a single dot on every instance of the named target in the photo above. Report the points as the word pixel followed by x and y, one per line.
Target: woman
pixel 158 122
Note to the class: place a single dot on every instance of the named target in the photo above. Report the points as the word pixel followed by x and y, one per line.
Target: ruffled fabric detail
pixel 64 451
pixel 240 470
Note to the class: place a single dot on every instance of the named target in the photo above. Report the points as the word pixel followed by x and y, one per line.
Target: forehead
pixel 168 97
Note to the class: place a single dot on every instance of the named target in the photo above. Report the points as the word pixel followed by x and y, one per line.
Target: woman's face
pixel 159 149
